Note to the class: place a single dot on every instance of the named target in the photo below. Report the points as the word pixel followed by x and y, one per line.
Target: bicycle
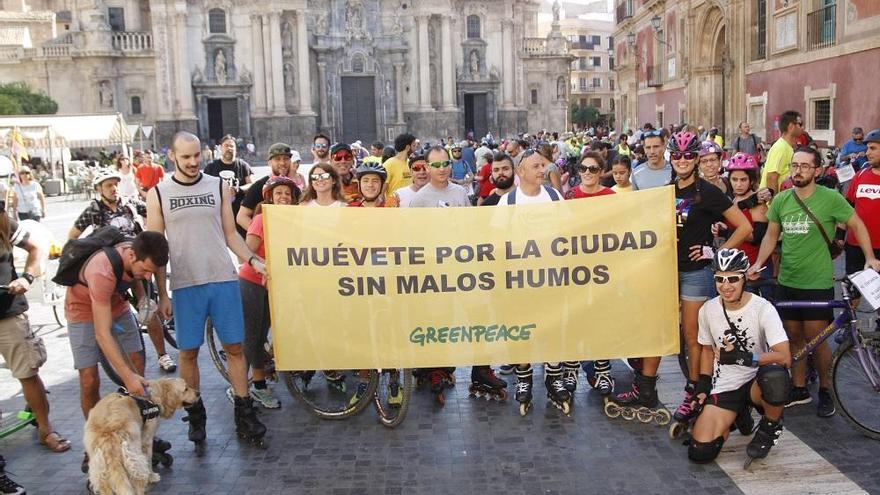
pixel 855 364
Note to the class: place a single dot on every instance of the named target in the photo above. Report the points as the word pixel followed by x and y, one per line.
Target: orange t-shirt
pixel 150 175
pixel 98 272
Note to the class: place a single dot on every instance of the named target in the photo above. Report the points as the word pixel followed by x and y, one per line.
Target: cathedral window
pixel 216 21
pixel 473 27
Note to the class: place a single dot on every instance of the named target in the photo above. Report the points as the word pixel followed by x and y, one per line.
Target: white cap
pixel 294 156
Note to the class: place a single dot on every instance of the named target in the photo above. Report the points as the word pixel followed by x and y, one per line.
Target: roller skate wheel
pixel 676 430
pixel 628 413
pixel 565 407
pixel 612 410
pixel 168 460
pixel 645 415
pixel 524 408
pixel 662 417
pixel 502 396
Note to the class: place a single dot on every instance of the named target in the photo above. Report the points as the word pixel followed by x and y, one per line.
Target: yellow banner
pixel 357 288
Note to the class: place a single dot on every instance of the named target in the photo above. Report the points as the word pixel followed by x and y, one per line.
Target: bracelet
pixel 250 260
pixel 755 358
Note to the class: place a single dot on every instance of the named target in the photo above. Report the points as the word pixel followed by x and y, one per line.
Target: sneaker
pixel 265 397
pixel 798 395
pixel 825 408
pixel 167 364
pixel 9 487
pixel 361 390
pixel 506 369
pixel 230 395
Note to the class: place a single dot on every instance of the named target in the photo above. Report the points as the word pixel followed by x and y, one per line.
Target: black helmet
pixel 730 260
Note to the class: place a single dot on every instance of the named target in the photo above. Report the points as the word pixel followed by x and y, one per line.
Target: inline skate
pixel 570 376
pixel 556 392
pixel 247 425
pixel 484 384
pixel 766 436
pixel 524 390
pixel 160 452
pixel 640 402
pixel 197 417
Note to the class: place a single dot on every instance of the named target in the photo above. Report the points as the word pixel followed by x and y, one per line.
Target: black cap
pixel 278 149
pixel 339 147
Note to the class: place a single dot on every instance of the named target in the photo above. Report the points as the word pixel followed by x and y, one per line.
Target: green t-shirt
pixel 779 161
pixel 806 262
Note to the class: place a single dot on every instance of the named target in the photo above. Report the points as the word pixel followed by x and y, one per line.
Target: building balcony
pixel 132 42
pixel 624 10
pixel 822 27
pixel 544 47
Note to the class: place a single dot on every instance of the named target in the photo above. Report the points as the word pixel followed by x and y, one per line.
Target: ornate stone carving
pixel 105 93
pixel 286 39
pixel 354 20
pixel 289 82
pixel 197 76
pixel 220 67
pixel 244 76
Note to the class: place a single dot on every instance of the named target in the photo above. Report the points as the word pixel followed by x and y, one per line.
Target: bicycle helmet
pixel 872 137
pixel 276 181
pixel 741 161
pixel 104 175
pixel 371 168
pixel 683 142
pixel 730 260
pixel 709 147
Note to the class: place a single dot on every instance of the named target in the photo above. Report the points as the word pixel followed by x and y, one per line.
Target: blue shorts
pixel 697 285
pixel 193 305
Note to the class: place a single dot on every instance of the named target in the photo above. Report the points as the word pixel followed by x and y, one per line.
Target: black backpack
pixel 78 251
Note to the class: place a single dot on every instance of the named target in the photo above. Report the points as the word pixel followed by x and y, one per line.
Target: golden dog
pixel 119 441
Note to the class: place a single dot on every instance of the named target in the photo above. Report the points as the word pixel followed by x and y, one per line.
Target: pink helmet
pixel 742 161
pixel 709 147
pixel 683 142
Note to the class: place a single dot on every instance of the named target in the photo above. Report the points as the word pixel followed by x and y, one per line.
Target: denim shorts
pixel 697 285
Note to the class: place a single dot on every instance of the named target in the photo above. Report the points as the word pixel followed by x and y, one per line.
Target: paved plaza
pixel 469 446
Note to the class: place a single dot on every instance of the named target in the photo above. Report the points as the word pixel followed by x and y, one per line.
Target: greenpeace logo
pixel 868 191
pixel 202 200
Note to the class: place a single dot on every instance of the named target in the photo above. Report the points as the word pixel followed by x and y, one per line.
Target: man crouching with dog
pixel 100 319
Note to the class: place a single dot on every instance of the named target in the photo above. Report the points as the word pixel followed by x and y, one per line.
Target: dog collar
pixel 148 410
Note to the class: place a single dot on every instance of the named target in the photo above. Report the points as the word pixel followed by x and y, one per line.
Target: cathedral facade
pixel 282 70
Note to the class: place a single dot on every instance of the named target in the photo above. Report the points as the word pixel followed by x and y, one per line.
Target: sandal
pixel 55 442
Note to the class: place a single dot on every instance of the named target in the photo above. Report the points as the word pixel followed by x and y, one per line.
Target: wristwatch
pixel 27 276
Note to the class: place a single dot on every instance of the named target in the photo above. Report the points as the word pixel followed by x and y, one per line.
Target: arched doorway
pixel 706 91
pixel 720 78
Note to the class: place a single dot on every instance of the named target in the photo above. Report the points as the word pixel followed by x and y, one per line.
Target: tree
pixel 17 98
pixel 585 115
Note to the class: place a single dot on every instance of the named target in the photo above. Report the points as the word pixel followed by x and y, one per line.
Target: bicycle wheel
pixel 392 413
pixel 108 368
pixel 218 355
pixel 170 332
pixel 331 394
pixel 683 358
pixel 853 393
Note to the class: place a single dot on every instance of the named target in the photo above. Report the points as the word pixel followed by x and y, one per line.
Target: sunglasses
pixel 418 168
pixel 652 134
pixel 321 146
pixel 343 157
pixel 456 150
pixel 688 155
pixel 442 164
pixel 730 279
pixel 529 152
pixel 593 169
pixel 321 176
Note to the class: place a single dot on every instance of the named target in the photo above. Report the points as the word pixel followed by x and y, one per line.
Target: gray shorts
pixel 85 348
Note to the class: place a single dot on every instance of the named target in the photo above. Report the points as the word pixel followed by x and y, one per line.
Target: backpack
pixel 79 251
pixel 511 197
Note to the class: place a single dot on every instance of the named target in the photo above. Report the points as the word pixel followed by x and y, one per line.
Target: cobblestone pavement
pixel 469 446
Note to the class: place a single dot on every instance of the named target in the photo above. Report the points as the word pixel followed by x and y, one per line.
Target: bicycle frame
pixel 846 319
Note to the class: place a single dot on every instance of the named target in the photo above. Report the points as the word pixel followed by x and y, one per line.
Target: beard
pixel 503 183
pixel 800 181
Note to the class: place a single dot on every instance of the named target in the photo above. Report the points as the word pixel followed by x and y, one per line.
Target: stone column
pixel 267 67
pixel 507 62
pixel 424 56
pixel 305 79
pixel 448 67
pixel 277 64
pixel 259 69
pixel 184 85
pixel 322 93
pixel 398 93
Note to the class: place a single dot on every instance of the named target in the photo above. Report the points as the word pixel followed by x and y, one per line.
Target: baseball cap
pixel 278 149
pixel 339 147
pixel 294 156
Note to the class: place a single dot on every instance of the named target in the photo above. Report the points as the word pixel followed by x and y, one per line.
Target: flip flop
pixel 55 442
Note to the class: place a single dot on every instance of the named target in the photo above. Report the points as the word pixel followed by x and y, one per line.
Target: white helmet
pixel 105 174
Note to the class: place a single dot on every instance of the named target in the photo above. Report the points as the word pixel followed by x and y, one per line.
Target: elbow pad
pixel 758 231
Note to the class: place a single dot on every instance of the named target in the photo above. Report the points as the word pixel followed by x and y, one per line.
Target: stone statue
pixel 322 24
pixel 286 39
pixel 197 76
pixel 475 63
pixel 288 76
pixel 560 88
pixel 556 8
pixel 106 95
pixel 244 76
pixel 354 19
pixel 220 67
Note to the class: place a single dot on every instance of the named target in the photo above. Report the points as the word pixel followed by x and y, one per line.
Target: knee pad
pixel 775 384
pixel 701 452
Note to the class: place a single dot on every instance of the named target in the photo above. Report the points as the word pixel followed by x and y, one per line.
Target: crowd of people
pixel 741 214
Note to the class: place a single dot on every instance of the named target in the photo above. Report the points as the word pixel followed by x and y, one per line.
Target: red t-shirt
pixel 246 271
pixel 864 193
pixel 747 247
pixel 578 193
pixel 149 175
pixel 98 271
pixel 486 185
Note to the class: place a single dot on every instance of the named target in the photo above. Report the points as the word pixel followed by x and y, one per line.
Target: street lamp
pixel 655 23
pixel 631 38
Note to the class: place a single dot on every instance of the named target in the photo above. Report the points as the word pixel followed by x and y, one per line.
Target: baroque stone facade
pixel 281 70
